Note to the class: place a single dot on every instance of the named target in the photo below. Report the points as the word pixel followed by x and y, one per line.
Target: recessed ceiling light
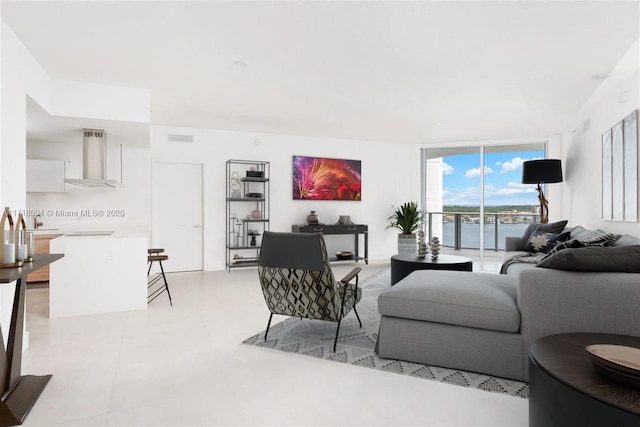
pixel 437 124
pixel 240 63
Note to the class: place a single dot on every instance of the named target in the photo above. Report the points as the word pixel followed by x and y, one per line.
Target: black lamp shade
pixel 541 171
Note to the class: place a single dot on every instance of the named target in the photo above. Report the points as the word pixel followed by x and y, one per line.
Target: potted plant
pixel 406 219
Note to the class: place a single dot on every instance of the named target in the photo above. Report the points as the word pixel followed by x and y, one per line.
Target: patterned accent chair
pixel 296 279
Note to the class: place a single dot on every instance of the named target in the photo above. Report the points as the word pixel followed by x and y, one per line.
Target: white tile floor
pixel 186 365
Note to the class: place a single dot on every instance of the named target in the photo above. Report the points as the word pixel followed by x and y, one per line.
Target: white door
pixel 178 213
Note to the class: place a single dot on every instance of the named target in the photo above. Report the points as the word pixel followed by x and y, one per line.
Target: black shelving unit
pixel 245 197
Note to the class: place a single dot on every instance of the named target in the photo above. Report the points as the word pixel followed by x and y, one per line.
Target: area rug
pixel 356 346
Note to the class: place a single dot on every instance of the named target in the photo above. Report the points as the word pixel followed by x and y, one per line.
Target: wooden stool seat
pixel 152 258
pixel 155 250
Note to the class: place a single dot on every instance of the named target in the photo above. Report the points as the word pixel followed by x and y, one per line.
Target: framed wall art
pixel 320 178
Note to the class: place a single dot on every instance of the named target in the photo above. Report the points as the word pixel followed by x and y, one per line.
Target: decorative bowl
pixel 344 255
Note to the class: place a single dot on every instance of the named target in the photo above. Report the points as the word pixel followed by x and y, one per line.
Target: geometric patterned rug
pixel 356 346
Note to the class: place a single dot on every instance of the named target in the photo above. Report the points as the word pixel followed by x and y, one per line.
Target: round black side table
pixel 403 265
pixel 566 390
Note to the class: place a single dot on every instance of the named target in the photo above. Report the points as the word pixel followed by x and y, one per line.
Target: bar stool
pixel 154 255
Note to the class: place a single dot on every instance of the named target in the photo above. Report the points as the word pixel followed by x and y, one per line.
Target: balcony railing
pixel 461 230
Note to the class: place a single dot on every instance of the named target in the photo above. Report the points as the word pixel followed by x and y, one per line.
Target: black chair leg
pixel 149 270
pixel 335 341
pixel 356 311
pixel 268 324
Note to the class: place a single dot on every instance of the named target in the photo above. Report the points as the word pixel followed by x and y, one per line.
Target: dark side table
pixel 566 390
pixel 19 392
pixel 402 265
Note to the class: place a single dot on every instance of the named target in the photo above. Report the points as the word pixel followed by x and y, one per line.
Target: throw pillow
pixel 624 259
pixel 553 227
pixel 542 241
pixel 600 238
pixel 568 244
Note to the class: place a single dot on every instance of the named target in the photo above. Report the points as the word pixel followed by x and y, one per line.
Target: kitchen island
pixel 100 273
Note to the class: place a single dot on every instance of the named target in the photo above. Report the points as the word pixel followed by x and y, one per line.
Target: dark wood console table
pixel 566 390
pixel 355 229
pixel 19 392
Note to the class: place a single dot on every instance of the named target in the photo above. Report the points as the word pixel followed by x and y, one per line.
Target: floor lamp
pixel 542 172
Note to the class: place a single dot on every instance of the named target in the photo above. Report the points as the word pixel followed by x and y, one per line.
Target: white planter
pixel 407 244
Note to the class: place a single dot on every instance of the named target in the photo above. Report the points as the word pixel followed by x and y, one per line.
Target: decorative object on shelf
pixel 345 220
pixel 255 174
pixel 256 214
pixel 542 172
pixel 21 240
pixel 422 246
pixel 406 219
pixel 8 253
pixel 620 170
pixel 435 248
pixel 255 195
pixel 344 255
pixel 253 240
pixel 234 185
pixel 316 178
pixel 312 218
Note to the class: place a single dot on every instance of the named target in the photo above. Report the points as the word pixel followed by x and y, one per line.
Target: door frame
pixel 155 223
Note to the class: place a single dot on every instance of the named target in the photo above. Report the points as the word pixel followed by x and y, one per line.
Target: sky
pixel 502 175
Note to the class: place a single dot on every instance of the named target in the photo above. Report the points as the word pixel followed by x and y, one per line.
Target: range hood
pixel 94 161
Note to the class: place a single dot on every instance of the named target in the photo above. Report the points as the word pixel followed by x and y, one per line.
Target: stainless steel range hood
pixel 94 161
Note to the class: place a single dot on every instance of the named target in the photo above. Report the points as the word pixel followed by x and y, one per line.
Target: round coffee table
pixel 565 389
pixel 402 265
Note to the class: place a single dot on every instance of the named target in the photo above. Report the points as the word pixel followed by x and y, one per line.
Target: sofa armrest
pixel 512 244
pixel 558 301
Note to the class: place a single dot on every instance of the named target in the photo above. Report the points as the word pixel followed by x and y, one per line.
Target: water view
pixel 471 234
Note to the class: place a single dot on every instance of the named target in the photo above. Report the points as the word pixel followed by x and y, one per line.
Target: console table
pixel 19 392
pixel 566 390
pixel 355 229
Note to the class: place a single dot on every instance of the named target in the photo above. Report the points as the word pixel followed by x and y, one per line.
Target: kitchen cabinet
pixel 41 246
pixel 45 176
pixel 247 215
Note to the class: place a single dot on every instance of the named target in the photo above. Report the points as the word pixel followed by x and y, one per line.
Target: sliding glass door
pixel 474 197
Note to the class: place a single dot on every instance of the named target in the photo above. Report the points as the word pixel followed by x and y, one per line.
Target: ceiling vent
pixel 94 161
pixel 180 138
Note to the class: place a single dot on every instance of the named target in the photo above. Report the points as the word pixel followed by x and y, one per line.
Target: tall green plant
pixel 407 218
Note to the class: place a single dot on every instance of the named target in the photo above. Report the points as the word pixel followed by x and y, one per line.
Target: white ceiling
pixel 367 70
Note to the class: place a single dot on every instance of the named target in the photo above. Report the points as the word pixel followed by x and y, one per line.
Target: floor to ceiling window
pixel 474 196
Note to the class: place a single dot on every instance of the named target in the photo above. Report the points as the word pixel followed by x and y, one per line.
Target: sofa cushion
pixel 627 240
pixel 553 227
pixel 542 241
pixel 596 258
pixel 599 238
pixel 476 300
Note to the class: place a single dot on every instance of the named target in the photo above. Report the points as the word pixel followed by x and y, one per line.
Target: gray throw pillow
pixel 624 259
pixel 568 244
pixel 542 241
pixel 553 227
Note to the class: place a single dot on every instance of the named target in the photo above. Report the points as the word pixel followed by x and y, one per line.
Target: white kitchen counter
pixel 99 274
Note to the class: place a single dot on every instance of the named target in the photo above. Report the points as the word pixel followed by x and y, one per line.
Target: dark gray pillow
pixel 624 259
pixel 542 241
pixel 553 227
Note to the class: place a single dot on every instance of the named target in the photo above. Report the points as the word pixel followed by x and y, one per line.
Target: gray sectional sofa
pixel 486 322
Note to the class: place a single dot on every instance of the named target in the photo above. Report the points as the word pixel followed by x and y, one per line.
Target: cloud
pixel 447 169
pixel 475 172
pixel 516 188
pixel 498 163
pixel 513 164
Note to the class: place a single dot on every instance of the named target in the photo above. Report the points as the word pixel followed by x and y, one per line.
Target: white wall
pixel 582 149
pixel 21 75
pixel 390 176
